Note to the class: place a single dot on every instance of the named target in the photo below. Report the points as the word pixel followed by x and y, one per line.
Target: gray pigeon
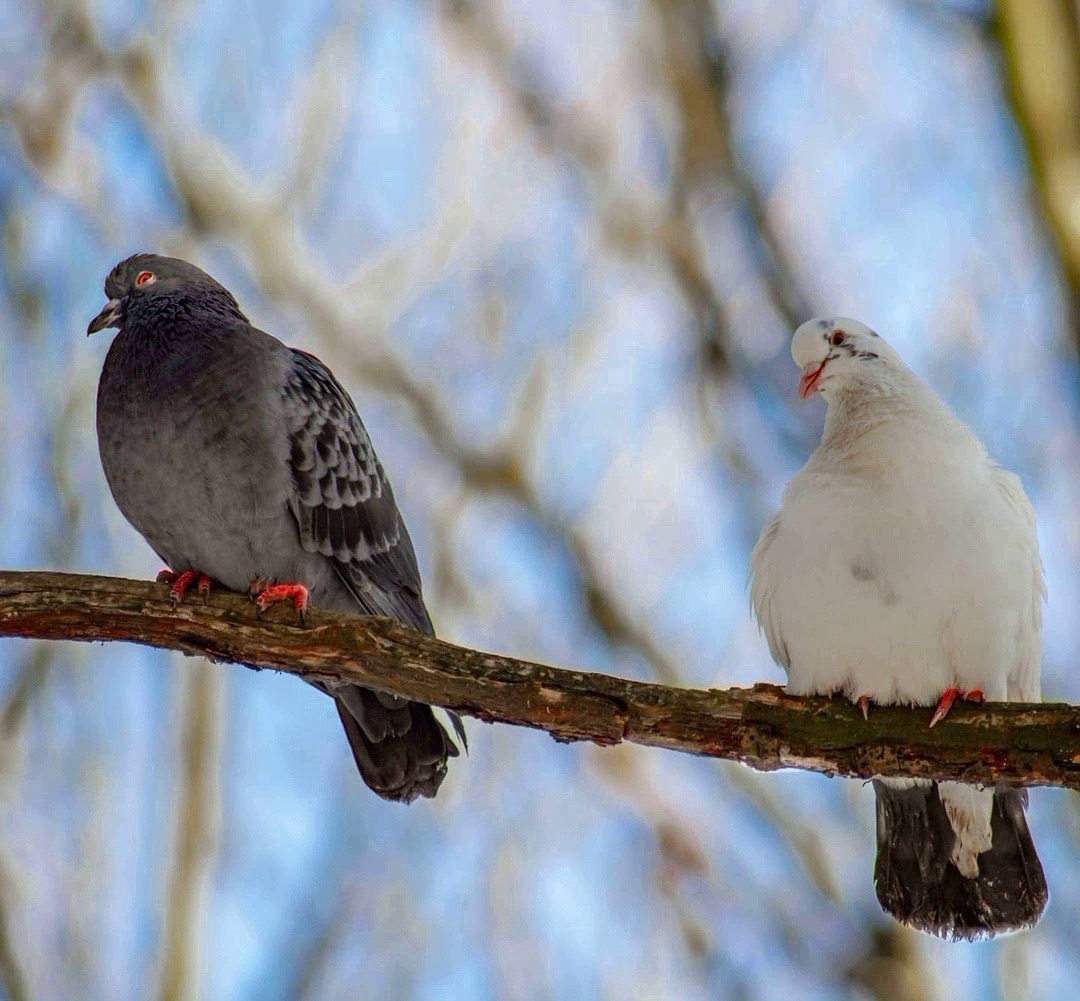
pixel 244 463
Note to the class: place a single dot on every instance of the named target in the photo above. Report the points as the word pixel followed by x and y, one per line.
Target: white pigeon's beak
pixel 811 376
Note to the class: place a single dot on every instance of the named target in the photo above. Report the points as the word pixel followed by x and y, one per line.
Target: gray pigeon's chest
pixel 195 457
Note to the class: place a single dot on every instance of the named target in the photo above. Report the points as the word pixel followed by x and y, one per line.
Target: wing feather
pixel 762 580
pixel 1023 679
pixel 341 498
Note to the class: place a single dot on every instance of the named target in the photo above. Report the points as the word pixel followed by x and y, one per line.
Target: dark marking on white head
pixel 851 352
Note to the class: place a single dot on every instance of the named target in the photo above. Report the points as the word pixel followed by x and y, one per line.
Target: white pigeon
pixel 903 567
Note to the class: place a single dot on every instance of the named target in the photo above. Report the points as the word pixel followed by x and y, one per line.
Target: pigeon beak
pixel 811 375
pixel 108 317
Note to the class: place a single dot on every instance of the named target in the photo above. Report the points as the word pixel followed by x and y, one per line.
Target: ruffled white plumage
pixel 903 561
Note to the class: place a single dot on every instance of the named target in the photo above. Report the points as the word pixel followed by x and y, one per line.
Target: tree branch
pixel 761 726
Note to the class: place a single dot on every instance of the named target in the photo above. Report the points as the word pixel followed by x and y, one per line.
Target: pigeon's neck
pixel 887 417
pixel 147 356
pixel 161 332
pixel 174 317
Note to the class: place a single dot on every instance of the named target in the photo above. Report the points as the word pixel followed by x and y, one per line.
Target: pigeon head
pixel 144 281
pixel 835 352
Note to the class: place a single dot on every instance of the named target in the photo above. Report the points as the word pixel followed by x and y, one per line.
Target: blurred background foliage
pixel 556 251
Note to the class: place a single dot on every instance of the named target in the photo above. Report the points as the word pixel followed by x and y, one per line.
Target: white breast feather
pixel 902 567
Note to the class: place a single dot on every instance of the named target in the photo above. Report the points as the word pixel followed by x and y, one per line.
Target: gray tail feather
pixel 400 748
pixel 918 884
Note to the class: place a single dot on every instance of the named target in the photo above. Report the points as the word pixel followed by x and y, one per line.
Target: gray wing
pixel 341 498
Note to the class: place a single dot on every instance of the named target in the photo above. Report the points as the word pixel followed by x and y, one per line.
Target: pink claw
pixel 945 703
pixel 181 582
pixel 950 695
pixel 268 594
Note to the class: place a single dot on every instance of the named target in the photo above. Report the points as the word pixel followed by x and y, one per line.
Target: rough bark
pixel 760 726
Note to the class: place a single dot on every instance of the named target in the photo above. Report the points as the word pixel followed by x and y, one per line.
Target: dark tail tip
pixel 399 747
pixel 919 885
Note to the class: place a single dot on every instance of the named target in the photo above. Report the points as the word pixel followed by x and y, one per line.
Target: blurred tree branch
pixel 761 727
pixel 691 70
pixel 1041 41
pixel 13 980
pixel 696 63
pixel 195 834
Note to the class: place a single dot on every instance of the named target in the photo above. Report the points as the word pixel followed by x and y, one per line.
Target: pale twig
pixel 196 822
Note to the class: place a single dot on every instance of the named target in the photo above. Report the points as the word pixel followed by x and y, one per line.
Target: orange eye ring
pixel 144 277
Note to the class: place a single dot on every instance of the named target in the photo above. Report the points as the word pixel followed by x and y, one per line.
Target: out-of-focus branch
pixel 13 984
pixel 626 223
pixel 691 74
pixel 698 72
pixel 890 968
pixel 30 681
pixel 196 820
pixel 696 76
pixel 1041 39
pixel 761 727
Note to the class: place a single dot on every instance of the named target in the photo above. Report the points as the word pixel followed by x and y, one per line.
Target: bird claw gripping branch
pixel 180 583
pixel 267 594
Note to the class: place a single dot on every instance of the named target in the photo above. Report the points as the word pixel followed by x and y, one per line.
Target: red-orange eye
pixel 144 277
pixel 836 340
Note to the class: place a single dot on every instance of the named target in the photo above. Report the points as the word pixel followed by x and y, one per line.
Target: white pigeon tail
pixel 903 568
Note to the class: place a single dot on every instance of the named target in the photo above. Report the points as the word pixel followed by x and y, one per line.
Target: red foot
pixel 267 594
pixel 181 583
pixel 863 702
pixel 945 703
